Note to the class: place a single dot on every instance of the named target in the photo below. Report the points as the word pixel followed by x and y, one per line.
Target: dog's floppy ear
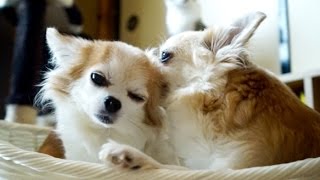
pixel 62 47
pixel 155 114
pixel 237 35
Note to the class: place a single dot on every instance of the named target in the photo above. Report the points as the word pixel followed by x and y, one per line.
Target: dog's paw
pixel 125 157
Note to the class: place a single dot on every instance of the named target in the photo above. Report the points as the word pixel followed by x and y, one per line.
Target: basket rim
pixel 37 163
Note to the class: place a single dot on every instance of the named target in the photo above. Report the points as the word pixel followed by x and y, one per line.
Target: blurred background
pixel 287 42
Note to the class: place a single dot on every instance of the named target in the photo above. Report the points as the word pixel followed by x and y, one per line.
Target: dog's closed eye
pixel 136 97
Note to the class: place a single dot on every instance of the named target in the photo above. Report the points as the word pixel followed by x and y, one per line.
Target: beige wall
pixel 151 28
pixel 305 34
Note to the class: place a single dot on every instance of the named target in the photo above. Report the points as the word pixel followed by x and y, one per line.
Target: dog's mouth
pixel 104 118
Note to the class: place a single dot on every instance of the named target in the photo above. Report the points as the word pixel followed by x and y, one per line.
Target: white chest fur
pixel 194 149
pixel 186 135
pixel 83 139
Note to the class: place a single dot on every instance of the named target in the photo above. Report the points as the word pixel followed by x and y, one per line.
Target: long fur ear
pixel 62 47
pixel 246 26
pixel 237 35
pixel 155 114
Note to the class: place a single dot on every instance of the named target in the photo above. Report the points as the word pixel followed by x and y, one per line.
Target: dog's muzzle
pixel 104 118
pixel 111 107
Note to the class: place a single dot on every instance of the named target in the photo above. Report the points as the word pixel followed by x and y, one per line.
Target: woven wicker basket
pixel 18 160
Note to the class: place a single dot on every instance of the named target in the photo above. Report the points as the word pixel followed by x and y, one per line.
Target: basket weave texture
pixel 18 160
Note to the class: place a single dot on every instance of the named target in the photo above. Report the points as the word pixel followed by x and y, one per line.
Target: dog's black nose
pixel 112 104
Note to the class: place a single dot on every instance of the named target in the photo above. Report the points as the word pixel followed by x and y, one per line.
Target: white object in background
pixel 4 3
pixel 182 15
pixel 304 27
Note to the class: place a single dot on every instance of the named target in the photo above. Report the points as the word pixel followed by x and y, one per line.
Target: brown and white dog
pixel 106 97
pixel 225 111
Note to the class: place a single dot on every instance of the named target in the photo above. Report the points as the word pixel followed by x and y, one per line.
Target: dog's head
pixel 201 58
pixel 108 81
pixel 197 65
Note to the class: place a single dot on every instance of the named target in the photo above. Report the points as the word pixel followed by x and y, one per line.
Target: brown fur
pixel 52 146
pixel 154 117
pixel 268 112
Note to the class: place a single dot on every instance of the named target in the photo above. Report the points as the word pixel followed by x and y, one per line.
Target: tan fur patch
pixel 268 112
pixel 154 115
pixel 52 146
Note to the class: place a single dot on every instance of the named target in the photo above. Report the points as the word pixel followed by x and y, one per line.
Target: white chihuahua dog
pixel 106 97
